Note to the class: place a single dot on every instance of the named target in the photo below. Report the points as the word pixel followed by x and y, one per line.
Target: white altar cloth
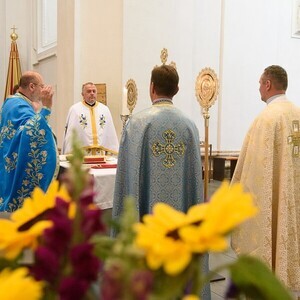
pixel 104 184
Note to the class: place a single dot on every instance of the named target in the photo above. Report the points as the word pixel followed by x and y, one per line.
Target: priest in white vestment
pixel 93 124
pixel 269 168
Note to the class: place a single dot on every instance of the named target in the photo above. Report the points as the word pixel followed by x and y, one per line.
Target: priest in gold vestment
pixel 269 168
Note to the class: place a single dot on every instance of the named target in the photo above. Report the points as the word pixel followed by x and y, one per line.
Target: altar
pixel 104 181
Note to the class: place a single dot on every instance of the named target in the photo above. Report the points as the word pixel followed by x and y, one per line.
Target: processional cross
pixel 207 89
pixel 13 35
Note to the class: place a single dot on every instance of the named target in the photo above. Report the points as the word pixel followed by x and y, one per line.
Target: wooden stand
pixel 219 166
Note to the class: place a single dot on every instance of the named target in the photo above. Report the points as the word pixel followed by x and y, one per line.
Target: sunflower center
pixel 173 234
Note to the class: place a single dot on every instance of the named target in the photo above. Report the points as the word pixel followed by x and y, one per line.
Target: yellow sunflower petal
pixel 191 297
pixel 13 242
pixel 154 261
pixel 197 213
pixel 167 216
pixel 39 202
pixel 159 240
pixel 229 207
pixel 179 260
pixel 201 240
pixel 17 284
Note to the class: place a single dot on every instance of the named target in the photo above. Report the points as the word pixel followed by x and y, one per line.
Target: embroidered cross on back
pixel 169 149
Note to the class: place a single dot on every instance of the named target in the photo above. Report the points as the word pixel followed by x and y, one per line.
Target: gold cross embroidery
pixel 169 148
pixel 295 139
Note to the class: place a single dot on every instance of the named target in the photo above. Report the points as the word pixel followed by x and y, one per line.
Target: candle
pixel 125 110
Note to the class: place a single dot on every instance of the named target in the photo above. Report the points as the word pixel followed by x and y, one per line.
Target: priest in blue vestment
pixel 159 157
pixel 28 151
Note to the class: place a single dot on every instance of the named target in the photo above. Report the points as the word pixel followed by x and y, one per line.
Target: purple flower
pixel 141 284
pixel 112 282
pixel 87 198
pixel 232 291
pixel 87 195
pixel 91 222
pixel 59 235
pixel 46 265
pixel 72 288
pixel 85 264
pixel 61 207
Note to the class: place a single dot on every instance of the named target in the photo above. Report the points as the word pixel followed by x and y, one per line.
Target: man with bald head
pixel 28 152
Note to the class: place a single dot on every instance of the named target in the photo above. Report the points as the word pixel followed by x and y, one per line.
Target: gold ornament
pixel 131 94
pixel 164 56
pixel 207 88
pixel 13 35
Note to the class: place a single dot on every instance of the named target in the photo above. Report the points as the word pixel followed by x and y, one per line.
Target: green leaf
pixel 254 279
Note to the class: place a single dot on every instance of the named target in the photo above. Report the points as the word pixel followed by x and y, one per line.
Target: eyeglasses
pixel 38 84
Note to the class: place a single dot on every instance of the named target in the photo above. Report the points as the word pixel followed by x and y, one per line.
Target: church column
pixel 68 60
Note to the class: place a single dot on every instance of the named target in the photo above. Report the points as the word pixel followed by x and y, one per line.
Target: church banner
pixel 14 68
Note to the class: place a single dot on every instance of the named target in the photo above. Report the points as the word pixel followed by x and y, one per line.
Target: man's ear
pixel 31 86
pixel 268 84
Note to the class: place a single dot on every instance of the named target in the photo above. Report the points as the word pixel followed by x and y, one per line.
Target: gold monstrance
pixel 207 89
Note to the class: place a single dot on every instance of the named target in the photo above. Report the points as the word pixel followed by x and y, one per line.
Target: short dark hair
pixel 165 80
pixel 277 75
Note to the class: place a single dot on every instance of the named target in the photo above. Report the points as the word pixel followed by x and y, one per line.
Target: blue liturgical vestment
pixel 28 152
pixel 159 161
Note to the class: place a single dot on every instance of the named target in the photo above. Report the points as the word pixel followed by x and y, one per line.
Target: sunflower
pixel 26 224
pixel 18 285
pixel 39 203
pixel 13 241
pixel 158 237
pixel 228 208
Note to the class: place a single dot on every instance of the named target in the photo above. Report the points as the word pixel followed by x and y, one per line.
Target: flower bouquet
pixel 159 257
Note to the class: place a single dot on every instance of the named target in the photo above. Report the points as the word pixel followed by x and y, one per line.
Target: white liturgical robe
pixel 94 128
pixel 269 168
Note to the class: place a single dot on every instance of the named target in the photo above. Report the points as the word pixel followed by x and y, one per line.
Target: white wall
pixel 89 49
pixel 237 39
pixel 190 30
pixel 257 34
pixel 101 50
pixel 111 41
pixel 13 13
